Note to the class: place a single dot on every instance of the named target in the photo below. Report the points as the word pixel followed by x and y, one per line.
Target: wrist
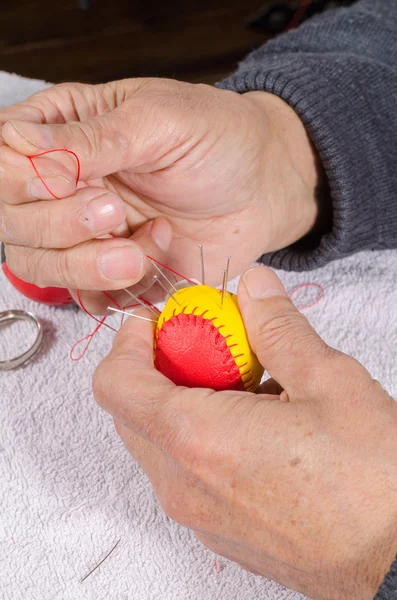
pixel 300 176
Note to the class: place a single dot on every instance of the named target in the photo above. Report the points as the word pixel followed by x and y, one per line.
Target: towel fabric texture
pixel 68 488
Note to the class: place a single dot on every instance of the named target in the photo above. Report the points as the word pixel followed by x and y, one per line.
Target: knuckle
pixel 143 83
pixel 65 269
pixel 92 137
pixel 289 332
pixel 35 268
pixel 333 372
pixel 68 88
pixel 41 266
pixel 35 107
pixel 41 226
pixel 24 263
pixel 54 229
pixel 283 329
pixel 49 102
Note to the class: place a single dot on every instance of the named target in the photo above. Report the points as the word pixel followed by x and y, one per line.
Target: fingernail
pixel 58 184
pixel 162 234
pixel 126 262
pixel 39 136
pixel 103 214
pixel 261 282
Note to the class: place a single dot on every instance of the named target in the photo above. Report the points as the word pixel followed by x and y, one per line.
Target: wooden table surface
pixel 192 40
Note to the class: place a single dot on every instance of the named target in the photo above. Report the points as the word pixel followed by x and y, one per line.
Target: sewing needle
pixel 124 312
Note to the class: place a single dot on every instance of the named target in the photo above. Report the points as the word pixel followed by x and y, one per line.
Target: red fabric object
pixel 191 352
pixel 48 295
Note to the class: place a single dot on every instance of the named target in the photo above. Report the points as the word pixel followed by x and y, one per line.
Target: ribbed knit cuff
pixel 334 121
pixel 388 589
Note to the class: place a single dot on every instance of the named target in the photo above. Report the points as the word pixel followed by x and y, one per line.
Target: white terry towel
pixel 68 488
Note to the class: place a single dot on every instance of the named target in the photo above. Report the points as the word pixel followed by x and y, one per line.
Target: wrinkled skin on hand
pixel 196 164
pixel 297 483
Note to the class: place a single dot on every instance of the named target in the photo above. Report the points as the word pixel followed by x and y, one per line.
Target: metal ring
pixel 21 315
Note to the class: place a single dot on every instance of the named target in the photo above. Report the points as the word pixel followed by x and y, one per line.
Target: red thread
pixel 306 285
pixel 130 306
pixel 172 270
pixel 149 304
pixel 102 322
pixel 50 152
pixel 113 300
pixel 99 321
pixel 218 566
pixel 87 312
pixel 89 337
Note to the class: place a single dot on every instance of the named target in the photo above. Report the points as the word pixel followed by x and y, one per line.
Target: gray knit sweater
pixel 339 72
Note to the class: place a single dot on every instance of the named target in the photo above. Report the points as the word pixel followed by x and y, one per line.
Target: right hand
pixel 234 173
pixel 297 483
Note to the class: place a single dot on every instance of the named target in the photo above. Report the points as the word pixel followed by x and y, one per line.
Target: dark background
pixel 191 40
pixel 100 40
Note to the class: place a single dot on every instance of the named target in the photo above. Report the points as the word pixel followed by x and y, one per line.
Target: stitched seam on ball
pixel 219 338
pixel 230 335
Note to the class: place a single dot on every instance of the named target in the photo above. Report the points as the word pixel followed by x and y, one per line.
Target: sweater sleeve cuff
pixel 325 110
pixel 388 589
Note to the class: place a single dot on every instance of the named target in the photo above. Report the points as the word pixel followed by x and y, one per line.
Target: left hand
pixel 298 483
pixel 210 166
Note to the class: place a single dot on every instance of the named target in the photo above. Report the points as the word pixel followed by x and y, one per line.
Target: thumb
pixel 282 338
pixel 100 142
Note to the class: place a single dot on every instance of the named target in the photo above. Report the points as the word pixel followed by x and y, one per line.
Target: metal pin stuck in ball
pixel 201 341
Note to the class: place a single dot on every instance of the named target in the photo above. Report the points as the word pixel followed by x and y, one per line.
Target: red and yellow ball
pixel 202 342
